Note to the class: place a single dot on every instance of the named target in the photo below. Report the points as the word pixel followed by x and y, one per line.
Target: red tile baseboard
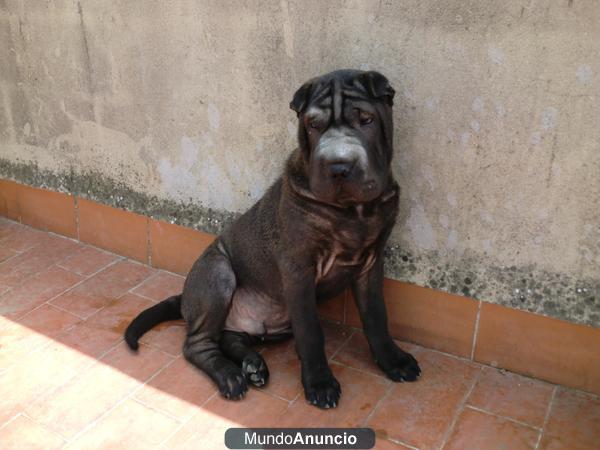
pixel 175 248
pixel 47 210
pixel 113 229
pixel 542 347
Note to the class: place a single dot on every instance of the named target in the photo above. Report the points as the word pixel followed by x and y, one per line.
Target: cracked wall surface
pixel 179 109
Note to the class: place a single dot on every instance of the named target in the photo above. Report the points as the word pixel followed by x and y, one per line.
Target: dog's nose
pixel 340 169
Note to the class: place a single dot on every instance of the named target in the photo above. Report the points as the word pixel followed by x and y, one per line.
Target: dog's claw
pixel 255 370
pixel 324 394
pixel 399 365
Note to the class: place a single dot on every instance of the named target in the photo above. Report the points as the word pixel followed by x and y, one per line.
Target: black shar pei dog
pixel 320 228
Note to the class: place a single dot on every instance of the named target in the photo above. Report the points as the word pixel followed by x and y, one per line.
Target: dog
pixel 319 229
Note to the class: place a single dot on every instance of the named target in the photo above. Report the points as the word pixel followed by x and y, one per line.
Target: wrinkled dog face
pixel 345 134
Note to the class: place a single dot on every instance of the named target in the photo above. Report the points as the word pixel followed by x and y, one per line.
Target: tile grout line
pixel 397 441
pixel 151 277
pixel 476 331
pixel 17 253
pixel 371 374
pixel 500 416
pixel 94 422
pixel 91 364
pixel 342 345
pixel 12 419
pixel 46 428
pixel 145 297
pixel 186 421
pixel 546 417
pixel 161 411
pixel 271 394
pixel 148 242
pixel 458 411
pixel 58 265
pixel 47 302
pixel 378 404
pixel 376 407
pixel 118 297
pixel 76 211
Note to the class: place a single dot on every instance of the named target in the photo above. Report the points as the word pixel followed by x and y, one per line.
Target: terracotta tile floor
pixel 67 380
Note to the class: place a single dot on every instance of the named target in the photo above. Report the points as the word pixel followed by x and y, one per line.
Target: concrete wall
pixel 180 109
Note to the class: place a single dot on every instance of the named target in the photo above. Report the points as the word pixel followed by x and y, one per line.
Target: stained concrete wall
pixel 179 109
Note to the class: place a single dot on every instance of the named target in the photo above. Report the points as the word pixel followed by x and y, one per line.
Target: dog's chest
pixel 348 249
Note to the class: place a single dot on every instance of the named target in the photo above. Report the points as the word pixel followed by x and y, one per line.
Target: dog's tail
pixel 169 309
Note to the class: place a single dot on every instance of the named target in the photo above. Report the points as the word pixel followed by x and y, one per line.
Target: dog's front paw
pixel 398 365
pixel 255 369
pixel 323 392
pixel 232 383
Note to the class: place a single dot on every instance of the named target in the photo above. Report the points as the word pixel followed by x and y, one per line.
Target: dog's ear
pixel 377 86
pixel 300 99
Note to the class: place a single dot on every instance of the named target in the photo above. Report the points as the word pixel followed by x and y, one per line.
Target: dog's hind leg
pixel 237 347
pixel 205 302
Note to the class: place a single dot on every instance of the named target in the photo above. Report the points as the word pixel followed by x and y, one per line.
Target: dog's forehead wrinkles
pixel 337 101
pixel 333 93
pixel 317 112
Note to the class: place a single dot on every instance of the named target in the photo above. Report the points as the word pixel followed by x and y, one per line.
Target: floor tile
pixel 38 289
pixel 284 370
pixel 20 238
pixel 477 430
pixel 118 314
pixel 210 422
pixel 48 320
pixel 31 332
pixel 103 288
pixel 161 286
pixel 140 365
pixel 129 426
pixel 356 353
pixel 24 382
pixel 167 336
pixel 574 422
pixel 384 444
pixel 419 413
pixel 8 227
pixel 24 433
pixel 49 250
pixel 6 253
pixel 77 404
pixel 178 390
pixel 284 365
pixel 88 260
pixel 512 395
pixel 360 394
pixel 89 339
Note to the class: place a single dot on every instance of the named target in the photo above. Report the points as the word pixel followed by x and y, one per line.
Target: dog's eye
pixel 316 125
pixel 366 120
